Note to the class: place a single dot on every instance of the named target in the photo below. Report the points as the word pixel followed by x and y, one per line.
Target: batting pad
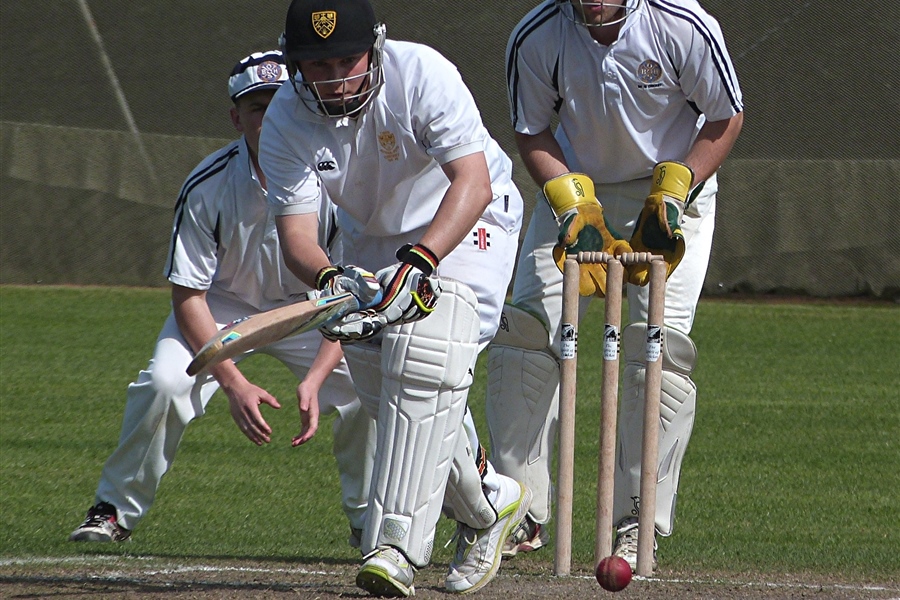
pixel 522 405
pixel 427 367
pixel 677 405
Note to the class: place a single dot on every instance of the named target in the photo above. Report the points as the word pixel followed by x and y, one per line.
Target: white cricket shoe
pixel 478 551
pixel 626 544
pixel 386 572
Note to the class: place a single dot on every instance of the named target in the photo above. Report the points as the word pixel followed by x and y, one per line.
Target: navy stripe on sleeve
pixel 217 165
pixel 522 32
pixel 720 58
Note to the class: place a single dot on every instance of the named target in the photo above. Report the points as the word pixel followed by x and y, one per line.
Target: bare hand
pixel 244 404
pixel 308 402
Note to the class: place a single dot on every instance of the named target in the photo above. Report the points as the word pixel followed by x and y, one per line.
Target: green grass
pixel 792 468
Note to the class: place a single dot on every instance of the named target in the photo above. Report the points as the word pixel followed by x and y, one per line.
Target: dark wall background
pixel 808 202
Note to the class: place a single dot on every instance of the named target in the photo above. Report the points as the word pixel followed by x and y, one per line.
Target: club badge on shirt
pixel 649 72
pixel 387 143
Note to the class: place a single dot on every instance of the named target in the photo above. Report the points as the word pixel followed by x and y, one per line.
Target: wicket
pixel 609 407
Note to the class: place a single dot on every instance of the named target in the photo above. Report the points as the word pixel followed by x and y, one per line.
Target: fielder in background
pixel 649 106
pixel 426 202
pixel 225 263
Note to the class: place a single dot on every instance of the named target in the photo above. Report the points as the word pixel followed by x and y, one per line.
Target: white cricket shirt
pixel 224 238
pixel 624 107
pixel 383 169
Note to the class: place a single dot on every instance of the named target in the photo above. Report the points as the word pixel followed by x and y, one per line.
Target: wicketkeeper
pixel 648 106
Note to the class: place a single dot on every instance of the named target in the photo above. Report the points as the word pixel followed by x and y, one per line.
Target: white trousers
pixel 164 399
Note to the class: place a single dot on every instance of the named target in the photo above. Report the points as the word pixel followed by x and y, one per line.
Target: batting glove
pixel 409 291
pixel 362 323
pixel 333 280
pixel 354 327
pixel 583 228
pixel 658 228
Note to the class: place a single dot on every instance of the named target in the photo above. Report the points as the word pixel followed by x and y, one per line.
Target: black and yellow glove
pixel 658 228
pixel 583 228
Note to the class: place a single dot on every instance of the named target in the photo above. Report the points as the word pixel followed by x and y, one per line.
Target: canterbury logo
pixel 326 165
pixel 324 22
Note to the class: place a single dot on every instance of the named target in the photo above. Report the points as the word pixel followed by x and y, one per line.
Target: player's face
pixel 599 13
pixel 339 84
pixel 247 115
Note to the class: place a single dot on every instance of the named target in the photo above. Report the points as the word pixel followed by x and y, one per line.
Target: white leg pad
pixel 523 405
pixel 427 368
pixel 677 406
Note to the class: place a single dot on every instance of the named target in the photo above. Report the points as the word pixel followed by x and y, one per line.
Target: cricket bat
pixel 267 327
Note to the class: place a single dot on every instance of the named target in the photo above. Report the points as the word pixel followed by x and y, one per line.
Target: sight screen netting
pixel 106 106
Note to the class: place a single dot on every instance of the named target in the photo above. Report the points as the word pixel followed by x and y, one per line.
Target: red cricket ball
pixel 613 573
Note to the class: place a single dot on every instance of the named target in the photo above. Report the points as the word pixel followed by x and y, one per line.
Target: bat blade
pixel 270 326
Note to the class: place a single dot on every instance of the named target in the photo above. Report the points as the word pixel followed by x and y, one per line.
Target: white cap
pixel 259 71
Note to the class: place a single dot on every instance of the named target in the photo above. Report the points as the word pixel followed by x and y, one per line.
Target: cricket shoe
pixel 101 525
pixel 386 572
pixel 479 551
pixel 626 544
pixel 527 537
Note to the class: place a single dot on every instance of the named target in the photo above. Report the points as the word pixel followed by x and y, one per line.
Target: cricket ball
pixel 613 573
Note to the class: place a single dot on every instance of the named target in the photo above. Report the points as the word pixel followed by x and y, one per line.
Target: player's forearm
pixel 711 148
pixel 197 325
pixel 542 156
pixel 463 204
pixel 298 236
pixel 327 360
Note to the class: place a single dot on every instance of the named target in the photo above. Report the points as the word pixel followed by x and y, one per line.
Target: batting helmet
pixel 323 29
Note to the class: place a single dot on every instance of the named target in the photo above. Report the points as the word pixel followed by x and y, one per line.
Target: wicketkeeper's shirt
pixel 624 107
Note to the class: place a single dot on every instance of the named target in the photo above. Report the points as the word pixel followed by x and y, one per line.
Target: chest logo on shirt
pixel 482 238
pixel 649 73
pixel 324 22
pixel 387 143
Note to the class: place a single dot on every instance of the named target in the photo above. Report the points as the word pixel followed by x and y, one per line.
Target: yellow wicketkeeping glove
pixel 583 228
pixel 658 228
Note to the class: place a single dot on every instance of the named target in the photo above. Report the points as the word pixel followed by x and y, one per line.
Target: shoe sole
pixel 525 497
pixel 379 583
pixel 523 548
pixel 93 536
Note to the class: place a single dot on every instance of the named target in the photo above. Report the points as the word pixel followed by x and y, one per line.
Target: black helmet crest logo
pixel 324 22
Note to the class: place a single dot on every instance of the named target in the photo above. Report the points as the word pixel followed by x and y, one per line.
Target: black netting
pixel 97 132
